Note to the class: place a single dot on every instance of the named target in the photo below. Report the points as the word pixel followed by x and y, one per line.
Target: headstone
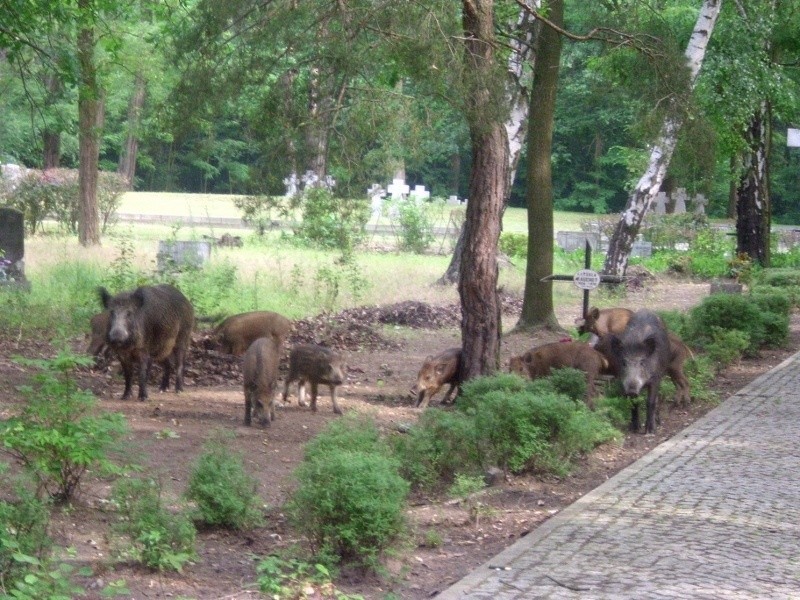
pixel 376 194
pixel 174 255
pixel 642 249
pixel 309 179
pixel 12 247
pixel 453 201
pixel 680 201
pixel 700 202
pixel 661 203
pixel 569 241
pixel 292 184
pixel 420 193
pixel 398 189
pixel 726 287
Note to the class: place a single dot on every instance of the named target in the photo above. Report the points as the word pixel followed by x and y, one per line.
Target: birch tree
pixel 649 184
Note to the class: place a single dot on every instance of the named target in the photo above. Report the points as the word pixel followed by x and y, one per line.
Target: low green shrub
pixel 158 538
pixel 776 329
pixel 676 321
pixel 727 346
pixel 354 432
pixel 772 299
pixel 292 578
pixel 781 277
pixel 331 222
pixel 514 245
pixel 727 311
pixel 222 490
pixel 415 225
pixel 701 372
pixel 569 382
pixel 349 504
pixel 59 435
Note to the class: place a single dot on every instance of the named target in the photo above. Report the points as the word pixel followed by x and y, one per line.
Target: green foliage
pixel 710 254
pixel 331 279
pixel 676 321
pixel 415 225
pixel 441 445
pixel 701 372
pixel 59 435
pixel 616 408
pixel 667 231
pixel 291 578
pixel 569 382
pixel 780 277
pixel 122 274
pixel 223 491
pixel 772 299
pixel 727 346
pixel 210 287
pixel 157 537
pixel 260 211
pixel 355 432
pixel 514 245
pixel 331 222
pixel 727 311
pixel 349 504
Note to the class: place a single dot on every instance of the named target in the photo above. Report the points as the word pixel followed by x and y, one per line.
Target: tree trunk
pixel 753 204
pixel 732 187
pixel 515 125
pixel 316 132
pixel 89 119
pixel 477 285
pixel 619 247
pixel 537 303
pixel 127 158
pixel 51 136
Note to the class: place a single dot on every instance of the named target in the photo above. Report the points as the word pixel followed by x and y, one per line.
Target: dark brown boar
pixel 237 332
pixel 540 361
pixel 309 363
pixel 437 371
pixel 679 353
pixel 151 323
pixel 260 371
pixel 99 327
pixel 642 353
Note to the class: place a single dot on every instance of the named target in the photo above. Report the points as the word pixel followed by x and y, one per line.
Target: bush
pixel 701 372
pixel 437 448
pixel 774 300
pixel 60 436
pixel 349 504
pixel 514 245
pixel 785 277
pixel 225 494
pixel 260 211
pixel 569 382
pixel 676 321
pixel 159 539
pixel 727 346
pixel 354 432
pixel 727 311
pixel 416 227
pixel 331 222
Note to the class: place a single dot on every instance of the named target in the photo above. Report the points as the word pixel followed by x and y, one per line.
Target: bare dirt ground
pixel 385 347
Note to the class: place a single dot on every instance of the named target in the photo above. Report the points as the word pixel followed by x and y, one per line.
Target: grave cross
pixel 700 202
pixel 420 193
pixel 398 189
pixel 586 279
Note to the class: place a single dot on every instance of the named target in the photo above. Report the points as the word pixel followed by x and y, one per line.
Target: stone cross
pixel 420 193
pixel 398 189
pixel 292 184
pixel 700 202
pixel 376 194
pixel 680 201
pixel 309 179
pixel 453 201
pixel 661 203
pixel 12 247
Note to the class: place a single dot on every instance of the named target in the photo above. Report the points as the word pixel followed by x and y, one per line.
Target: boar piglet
pixel 237 332
pixel 437 371
pixel 99 326
pixel 260 372
pixel 642 352
pixel 539 362
pixel 602 322
pixel 309 363
pixel 151 323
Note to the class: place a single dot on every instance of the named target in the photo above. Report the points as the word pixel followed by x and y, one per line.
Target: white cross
pixel 700 202
pixel 398 189
pixel 420 193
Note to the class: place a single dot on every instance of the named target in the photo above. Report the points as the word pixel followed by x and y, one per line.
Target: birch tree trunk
pixel 127 158
pixel 753 205
pixel 641 198
pixel 515 125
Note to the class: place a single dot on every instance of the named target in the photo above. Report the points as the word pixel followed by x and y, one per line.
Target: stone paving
pixel 713 512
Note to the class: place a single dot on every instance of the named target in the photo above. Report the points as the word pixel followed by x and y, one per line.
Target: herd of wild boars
pixel 154 323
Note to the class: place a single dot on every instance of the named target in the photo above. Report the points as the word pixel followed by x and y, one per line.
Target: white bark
pixel 660 155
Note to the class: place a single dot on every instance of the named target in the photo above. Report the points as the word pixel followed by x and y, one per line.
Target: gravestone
pixel 661 203
pixel 700 202
pixel 453 201
pixel 12 247
pixel 174 255
pixel 642 249
pixel 420 193
pixel 680 198
pixel 398 189
pixel 292 184
pixel 569 241
pixel 376 194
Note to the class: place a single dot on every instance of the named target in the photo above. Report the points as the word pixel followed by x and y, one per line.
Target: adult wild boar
pixel 309 363
pixel 260 371
pixel 237 332
pixel 437 371
pixel 642 353
pixel 539 362
pixel 151 323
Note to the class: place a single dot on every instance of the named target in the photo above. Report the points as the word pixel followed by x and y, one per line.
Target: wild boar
pixel 601 322
pixel 237 332
pixel 309 363
pixel 436 371
pixel 678 352
pixel 643 354
pixel 260 371
pixel 99 326
pixel 539 362
pixel 151 323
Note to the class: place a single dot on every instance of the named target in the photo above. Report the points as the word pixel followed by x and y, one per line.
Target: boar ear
pixel 105 297
pixel 138 297
pixel 594 312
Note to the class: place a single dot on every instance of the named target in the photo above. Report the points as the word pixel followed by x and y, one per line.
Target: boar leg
pixel 652 408
pixel 144 373
pixel 314 396
pixel 682 393
pixel 447 397
pixel 286 389
pixel 336 408
pixel 301 393
pixel 248 406
pixel 179 356
pixel 635 415
pixel 166 367
pixel 127 373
